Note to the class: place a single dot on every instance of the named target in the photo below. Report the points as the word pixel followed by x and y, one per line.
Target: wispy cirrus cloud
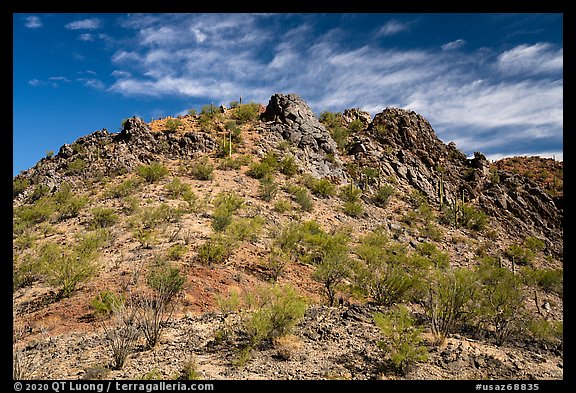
pixel 453 44
pixel 84 24
pixel 482 100
pixel 393 27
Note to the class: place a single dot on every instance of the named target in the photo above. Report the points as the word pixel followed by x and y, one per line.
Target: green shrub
pixel 282 206
pixel 151 218
pixel 352 209
pixel 25 271
pixel 402 339
pixel 259 170
pixel 274 312
pixel 437 258
pixel 105 302
pixel 331 119
pixel 302 197
pixel 166 281
pixel 350 193
pixel 176 188
pixel 500 300
pixel 333 266
pixel 534 244
pixel 519 255
pixel 382 195
pixel 103 217
pixel 381 273
pixel 473 219
pixel 67 204
pixel 202 169
pixel 245 113
pixel 172 124
pixel 19 185
pixel 550 280
pixel 123 189
pixel 76 167
pixel 288 166
pixel 245 229
pixel 229 163
pixel 450 294
pixel 226 203
pixel 66 268
pixel 176 251
pixel 152 172
pixel 547 331
pixel 341 136
pixel 356 125
pixel 319 187
pixel 268 188
pixel 276 262
pixel 217 249
pixel 39 191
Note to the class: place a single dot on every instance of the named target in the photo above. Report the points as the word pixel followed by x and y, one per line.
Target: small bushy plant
pixel 152 172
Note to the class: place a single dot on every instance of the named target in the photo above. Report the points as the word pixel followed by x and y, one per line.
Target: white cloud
pixel 59 78
pixel 458 92
pixel 92 83
pixel 453 44
pixel 86 37
pixel 393 27
pixel 35 82
pixel 32 22
pixel 531 59
pixel 84 24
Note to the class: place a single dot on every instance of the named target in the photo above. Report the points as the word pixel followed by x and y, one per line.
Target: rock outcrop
pixel 292 119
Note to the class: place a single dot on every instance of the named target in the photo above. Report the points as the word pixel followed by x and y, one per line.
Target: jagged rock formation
pixel 292 119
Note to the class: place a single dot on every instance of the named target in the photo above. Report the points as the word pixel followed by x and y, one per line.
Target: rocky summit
pixel 261 241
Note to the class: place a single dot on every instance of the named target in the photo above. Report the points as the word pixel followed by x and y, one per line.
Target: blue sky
pixel 489 82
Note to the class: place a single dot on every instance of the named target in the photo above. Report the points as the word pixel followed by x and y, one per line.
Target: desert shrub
pixel 352 209
pixel 449 298
pixel 166 281
pixel 121 333
pixel 19 185
pixel 302 197
pixel 153 217
pixel 152 172
pixel 28 215
pixel 274 311
pixel 176 188
pixel 341 136
pixel 103 217
pixel 356 125
pixel 226 204
pixel 288 166
pixel 550 280
pixel 382 195
pixel 76 167
pixel 66 268
pixel 473 219
pixel 402 341
pixel 519 255
pixel 234 131
pixel 208 114
pixel 230 163
pixel 105 302
pixel 382 272
pixel 215 250
pixel 437 258
pixel 189 371
pixel 67 204
pixel 245 229
pixel 295 237
pixel 546 331
pixel 39 191
pixel 26 270
pixel 350 193
pixel 268 188
pixel 145 236
pixel 500 300
pixel 534 244
pixel 202 169
pixel 176 251
pixel 282 206
pixel 245 113
pixel 333 266
pixel 276 262
pixel 123 189
pixel 323 188
pixel 172 124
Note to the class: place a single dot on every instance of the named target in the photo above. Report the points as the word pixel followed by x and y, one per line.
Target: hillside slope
pixel 281 236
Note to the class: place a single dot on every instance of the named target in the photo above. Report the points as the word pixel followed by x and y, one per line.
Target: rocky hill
pixel 263 242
